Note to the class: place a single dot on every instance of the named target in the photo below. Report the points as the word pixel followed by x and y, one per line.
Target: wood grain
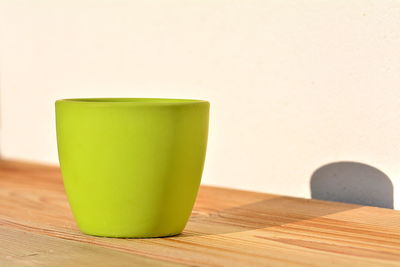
pixel 227 228
pixel 21 248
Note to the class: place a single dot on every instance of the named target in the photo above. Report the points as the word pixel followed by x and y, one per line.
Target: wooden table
pixel 227 228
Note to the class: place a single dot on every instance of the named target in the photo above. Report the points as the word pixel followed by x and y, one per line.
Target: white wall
pixel 294 85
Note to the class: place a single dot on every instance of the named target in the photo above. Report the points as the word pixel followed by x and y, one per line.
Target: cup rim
pixel 131 101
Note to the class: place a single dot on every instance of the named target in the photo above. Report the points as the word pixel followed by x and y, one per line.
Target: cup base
pixel 136 236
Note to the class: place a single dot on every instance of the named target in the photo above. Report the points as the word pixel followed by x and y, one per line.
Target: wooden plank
pixel 20 248
pixel 227 228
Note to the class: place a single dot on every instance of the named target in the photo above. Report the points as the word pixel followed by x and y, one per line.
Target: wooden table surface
pixel 227 228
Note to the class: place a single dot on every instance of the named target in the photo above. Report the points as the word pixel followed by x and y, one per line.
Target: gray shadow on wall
pixel 352 182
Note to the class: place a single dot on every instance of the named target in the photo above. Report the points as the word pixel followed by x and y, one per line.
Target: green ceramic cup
pixel 131 166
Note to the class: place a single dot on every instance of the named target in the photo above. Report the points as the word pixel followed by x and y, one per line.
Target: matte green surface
pixel 131 167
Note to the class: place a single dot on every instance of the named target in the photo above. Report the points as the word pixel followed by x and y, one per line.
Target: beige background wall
pixel 294 85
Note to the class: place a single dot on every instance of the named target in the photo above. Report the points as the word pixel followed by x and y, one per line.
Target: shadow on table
pixel 349 182
pixel 262 214
pixel 352 182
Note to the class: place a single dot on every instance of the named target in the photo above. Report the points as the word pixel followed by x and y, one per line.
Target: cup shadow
pixel 262 214
pixel 352 182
